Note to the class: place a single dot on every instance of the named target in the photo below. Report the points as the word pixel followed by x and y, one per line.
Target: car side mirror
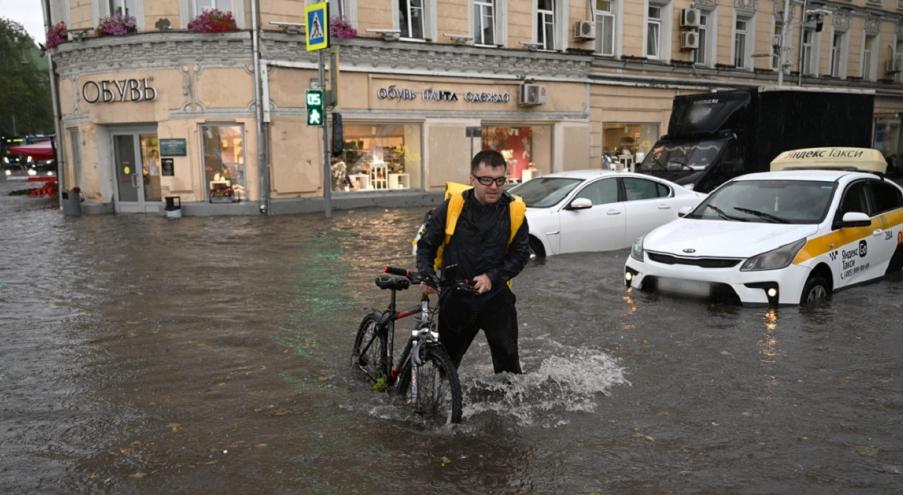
pixel 855 219
pixel 580 204
pixel 684 211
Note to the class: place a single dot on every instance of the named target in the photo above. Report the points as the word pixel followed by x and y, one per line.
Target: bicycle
pixel 424 376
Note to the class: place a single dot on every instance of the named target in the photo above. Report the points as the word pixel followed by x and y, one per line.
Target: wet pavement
pixel 198 355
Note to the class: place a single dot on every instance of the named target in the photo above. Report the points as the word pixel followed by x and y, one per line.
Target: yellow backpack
pixel 517 209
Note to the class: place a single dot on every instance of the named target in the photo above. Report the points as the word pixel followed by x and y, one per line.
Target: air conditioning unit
pixel 585 30
pixel 689 18
pixel 689 40
pixel 532 94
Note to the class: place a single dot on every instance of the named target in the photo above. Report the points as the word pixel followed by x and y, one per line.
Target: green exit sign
pixel 314 100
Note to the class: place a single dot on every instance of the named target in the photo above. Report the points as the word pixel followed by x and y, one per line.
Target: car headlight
pixel 636 252
pixel 6 160
pixel 774 259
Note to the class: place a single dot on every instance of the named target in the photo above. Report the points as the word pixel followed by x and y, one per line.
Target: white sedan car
pixel 790 236
pixel 597 210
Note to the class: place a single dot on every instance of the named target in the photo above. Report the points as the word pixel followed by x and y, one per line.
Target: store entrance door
pixel 136 157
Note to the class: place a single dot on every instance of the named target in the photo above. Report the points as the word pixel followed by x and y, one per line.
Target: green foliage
pixel 24 83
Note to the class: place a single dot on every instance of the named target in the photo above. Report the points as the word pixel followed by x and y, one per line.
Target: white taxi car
pixel 821 220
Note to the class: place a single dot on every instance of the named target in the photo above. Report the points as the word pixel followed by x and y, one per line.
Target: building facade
pixel 219 119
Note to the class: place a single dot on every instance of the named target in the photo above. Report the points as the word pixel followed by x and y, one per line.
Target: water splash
pixel 562 384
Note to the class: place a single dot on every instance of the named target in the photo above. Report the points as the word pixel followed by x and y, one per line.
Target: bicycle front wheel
pixel 432 389
pixel 369 355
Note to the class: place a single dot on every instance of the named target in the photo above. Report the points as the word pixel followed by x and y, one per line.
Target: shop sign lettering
pixel 110 91
pixel 405 94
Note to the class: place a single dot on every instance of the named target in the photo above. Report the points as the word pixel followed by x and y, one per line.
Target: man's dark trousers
pixel 462 315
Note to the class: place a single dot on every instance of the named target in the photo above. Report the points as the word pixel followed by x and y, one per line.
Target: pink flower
pixel 57 35
pixel 213 21
pixel 340 28
pixel 116 25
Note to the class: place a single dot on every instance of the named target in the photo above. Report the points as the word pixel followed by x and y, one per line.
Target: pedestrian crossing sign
pixel 317 27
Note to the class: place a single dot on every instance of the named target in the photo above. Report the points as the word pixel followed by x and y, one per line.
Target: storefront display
pixel 224 163
pixel 628 142
pixel 526 149
pixel 378 157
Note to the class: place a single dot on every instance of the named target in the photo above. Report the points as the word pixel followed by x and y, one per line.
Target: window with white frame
pixel 545 24
pixel 869 57
pixel 411 19
pixel 742 37
pixel 606 14
pixel 808 62
pixel 122 7
pixel 484 16
pixel 837 54
pixel 654 32
pixel 705 42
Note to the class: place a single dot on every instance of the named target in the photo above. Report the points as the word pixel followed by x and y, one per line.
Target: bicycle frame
pixel 423 333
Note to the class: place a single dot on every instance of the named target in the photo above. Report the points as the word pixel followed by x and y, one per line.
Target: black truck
pixel 713 137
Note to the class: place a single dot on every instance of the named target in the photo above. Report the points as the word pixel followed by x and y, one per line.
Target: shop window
pixel 378 157
pixel 627 142
pixel 224 162
pixel 528 150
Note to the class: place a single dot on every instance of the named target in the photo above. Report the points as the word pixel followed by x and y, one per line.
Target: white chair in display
pixel 379 175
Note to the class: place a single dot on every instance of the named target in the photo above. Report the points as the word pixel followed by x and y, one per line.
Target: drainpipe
pixel 262 139
pixel 55 102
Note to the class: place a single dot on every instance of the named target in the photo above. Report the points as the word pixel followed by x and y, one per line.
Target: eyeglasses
pixel 487 181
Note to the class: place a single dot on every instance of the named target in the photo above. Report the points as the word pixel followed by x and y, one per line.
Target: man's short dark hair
pixel 492 159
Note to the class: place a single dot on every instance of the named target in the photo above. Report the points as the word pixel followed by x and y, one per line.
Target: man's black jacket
pixel 480 243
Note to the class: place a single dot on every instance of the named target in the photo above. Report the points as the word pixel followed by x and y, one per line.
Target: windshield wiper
pixel 762 214
pixel 722 214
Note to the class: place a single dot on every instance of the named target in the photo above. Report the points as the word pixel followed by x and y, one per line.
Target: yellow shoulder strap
pixel 518 210
pixel 455 206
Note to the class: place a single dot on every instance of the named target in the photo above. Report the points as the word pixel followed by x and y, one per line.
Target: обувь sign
pixel 110 91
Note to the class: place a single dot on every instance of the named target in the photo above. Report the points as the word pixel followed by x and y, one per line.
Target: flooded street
pixel 199 355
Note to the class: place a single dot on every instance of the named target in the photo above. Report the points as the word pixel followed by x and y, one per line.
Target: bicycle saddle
pixel 394 282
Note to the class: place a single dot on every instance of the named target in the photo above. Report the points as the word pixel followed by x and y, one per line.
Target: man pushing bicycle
pixel 484 231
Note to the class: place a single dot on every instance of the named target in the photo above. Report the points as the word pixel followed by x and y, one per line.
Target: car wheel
pixel 536 250
pixel 815 290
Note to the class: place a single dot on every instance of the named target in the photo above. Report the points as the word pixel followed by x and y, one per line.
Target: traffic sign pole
pixel 327 170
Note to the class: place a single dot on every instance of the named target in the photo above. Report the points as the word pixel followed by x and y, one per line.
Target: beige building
pixel 219 119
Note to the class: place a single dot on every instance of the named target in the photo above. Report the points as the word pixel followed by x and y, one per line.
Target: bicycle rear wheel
pixel 369 354
pixel 432 389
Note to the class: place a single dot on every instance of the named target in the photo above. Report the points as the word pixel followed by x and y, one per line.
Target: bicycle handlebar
pixel 431 279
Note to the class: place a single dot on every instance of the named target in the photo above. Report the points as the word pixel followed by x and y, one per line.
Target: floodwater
pixel 210 355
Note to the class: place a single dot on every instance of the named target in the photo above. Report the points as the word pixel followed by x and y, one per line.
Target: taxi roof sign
pixel 831 158
pixel 316 30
